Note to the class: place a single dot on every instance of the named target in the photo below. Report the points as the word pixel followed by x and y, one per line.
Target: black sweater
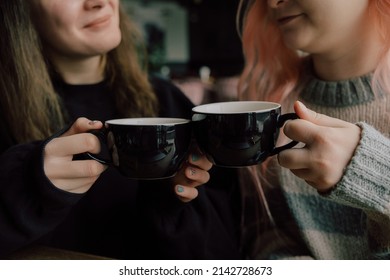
pixel 118 217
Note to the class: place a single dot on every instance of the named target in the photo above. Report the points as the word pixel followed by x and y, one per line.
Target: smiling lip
pixel 285 20
pixel 98 22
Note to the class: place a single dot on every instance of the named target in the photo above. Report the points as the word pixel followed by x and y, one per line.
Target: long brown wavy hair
pixel 29 106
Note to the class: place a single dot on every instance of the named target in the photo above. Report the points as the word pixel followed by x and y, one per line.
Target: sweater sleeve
pixel 30 206
pixel 366 185
pixel 205 228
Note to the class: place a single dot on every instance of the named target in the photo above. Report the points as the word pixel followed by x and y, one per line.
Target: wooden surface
pixel 47 253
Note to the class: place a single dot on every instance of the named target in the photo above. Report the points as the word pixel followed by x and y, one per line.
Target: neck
pixel 356 60
pixel 77 71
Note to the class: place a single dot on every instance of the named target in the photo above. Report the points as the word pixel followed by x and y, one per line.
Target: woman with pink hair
pixel 332 199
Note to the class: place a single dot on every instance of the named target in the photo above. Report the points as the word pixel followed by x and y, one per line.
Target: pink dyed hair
pixel 272 70
pixel 271 73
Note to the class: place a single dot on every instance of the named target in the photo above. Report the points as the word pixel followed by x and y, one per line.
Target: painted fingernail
pixel 195 157
pixel 180 189
pixel 193 171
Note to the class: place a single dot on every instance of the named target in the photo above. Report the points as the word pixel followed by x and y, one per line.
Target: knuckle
pixel 194 194
pixel 322 139
pixel 93 169
pixel 289 125
pixel 78 124
pixel 322 164
pixel 204 164
pixel 201 177
pixel 318 116
pixel 208 165
pixel 91 142
pixel 48 150
pixel 206 177
pixel 92 180
pixel 323 182
pixel 190 194
pixel 324 172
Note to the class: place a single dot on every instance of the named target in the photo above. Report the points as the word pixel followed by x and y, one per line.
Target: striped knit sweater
pixel 353 221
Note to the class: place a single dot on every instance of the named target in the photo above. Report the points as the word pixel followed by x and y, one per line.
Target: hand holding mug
pixel 329 147
pixel 193 174
pixel 75 176
pixel 156 148
pixel 78 176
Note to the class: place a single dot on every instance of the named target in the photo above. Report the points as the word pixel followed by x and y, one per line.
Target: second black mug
pixel 239 133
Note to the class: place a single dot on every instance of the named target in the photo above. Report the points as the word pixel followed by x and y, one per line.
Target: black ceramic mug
pixel 239 133
pixel 145 148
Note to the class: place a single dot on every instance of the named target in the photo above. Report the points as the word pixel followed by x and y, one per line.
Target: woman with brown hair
pixel 68 64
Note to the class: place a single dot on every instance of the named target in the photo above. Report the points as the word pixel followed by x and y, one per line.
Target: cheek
pixel 300 37
pixel 114 3
pixel 58 33
pixel 56 23
pixel 115 33
pixel 109 41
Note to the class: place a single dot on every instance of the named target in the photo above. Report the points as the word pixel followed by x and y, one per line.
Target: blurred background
pixel 194 43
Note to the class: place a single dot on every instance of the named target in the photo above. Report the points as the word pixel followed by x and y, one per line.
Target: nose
pixel 275 3
pixel 95 4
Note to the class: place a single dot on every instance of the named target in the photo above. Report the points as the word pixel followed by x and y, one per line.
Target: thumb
pixel 316 118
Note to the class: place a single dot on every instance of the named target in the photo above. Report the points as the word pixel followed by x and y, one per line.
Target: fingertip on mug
pixel 300 104
pixel 93 122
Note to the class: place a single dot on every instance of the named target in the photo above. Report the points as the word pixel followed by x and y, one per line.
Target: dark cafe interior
pixel 194 43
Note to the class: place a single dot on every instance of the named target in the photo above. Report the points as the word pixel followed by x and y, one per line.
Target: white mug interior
pixel 147 121
pixel 236 107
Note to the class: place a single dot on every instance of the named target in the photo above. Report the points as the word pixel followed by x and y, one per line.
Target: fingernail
pixel 301 104
pixel 180 189
pixel 195 157
pixel 92 122
pixel 193 171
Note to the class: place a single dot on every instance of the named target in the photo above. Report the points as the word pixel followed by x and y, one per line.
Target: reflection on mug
pixel 112 148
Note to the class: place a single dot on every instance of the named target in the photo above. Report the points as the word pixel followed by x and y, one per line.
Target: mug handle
pixel 280 122
pixel 101 134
